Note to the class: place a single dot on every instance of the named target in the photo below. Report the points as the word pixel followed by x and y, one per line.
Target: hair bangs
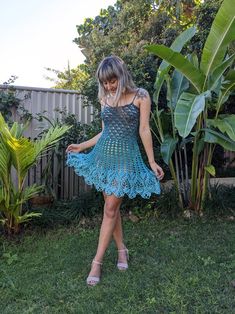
pixel 106 73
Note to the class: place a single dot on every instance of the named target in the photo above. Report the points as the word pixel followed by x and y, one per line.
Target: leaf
pixel 31 191
pixel 27 216
pixel 218 71
pixel 199 146
pixel 228 85
pixel 212 136
pixel 181 63
pixel 221 34
pixel 168 147
pixel 193 58
pixel 164 67
pixel 210 169
pixel 179 84
pixel 188 108
pixel 5 165
pixel 226 124
pixel 25 152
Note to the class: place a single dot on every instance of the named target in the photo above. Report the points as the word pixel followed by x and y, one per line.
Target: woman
pixel 115 165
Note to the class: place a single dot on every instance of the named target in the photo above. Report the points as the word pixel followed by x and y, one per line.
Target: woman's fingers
pixel 160 173
pixel 70 148
pixel 73 148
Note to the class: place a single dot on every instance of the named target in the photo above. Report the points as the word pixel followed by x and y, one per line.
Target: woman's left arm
pixel 145 132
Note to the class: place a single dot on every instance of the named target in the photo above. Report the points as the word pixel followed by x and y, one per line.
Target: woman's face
pixel 111 86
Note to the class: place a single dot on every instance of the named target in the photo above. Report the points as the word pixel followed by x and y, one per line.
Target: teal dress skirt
pixel 115 165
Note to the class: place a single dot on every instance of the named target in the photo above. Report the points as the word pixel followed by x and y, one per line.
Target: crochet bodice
pixel 121 122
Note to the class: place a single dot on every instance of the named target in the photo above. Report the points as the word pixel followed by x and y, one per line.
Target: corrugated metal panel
pixel 49 102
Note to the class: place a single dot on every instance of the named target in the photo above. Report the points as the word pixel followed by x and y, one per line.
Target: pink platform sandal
pixel 123 266
pixel 93 280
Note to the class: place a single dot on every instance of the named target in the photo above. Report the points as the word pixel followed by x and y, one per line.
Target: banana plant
pixel 189 105
pixel 17 155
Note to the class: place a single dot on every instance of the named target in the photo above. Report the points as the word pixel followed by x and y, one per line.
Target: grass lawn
pixel 176 266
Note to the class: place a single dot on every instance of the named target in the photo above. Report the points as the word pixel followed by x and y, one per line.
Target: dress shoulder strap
pixel 135 95
pixel 103 103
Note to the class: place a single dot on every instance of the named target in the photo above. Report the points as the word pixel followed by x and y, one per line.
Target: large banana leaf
pixel 226 124
pixel 179 84
pixel 177 46
pixel 212 136
pixel 195 76
pixel 228 85
pixel 187 109
pixel 221 34
pixel 218 72
pixel 168 148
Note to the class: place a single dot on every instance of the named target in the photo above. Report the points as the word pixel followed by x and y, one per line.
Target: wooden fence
pixel 59 180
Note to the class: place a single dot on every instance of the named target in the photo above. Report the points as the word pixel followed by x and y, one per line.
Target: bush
pixel 88 205
pixel 221 201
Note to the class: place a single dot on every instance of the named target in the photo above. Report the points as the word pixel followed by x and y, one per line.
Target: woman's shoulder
pixel 142 93
pixel 102 101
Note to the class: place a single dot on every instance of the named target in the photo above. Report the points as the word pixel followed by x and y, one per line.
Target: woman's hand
pixel 74 148
pixel 157 170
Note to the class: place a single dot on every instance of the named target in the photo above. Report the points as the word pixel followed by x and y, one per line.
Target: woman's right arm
pixel 77 148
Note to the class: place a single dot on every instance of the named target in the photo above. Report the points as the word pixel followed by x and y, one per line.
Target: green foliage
pixel 167 204
pixel 205 14
pixel 74 79
pixel 8 100
pixel 87 205
pixel 221 201
pixel 211 76
pixel 17 155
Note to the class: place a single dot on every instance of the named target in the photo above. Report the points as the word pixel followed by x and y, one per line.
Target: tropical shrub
pixel 8 100
pixel 196 94
pixel 17 155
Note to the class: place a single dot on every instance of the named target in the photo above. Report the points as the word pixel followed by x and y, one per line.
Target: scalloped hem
pixel 94 177
pixel 119 195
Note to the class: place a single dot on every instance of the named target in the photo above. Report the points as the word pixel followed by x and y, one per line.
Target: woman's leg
pixel 118 237
pixel 111 209
pixel 117 232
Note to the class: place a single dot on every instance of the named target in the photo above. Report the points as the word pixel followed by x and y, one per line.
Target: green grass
pixel 176 266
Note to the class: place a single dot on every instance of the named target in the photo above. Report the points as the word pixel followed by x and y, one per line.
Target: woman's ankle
pixel 98 259
pixel 121 246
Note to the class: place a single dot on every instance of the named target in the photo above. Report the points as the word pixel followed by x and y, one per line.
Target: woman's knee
pixel 111 209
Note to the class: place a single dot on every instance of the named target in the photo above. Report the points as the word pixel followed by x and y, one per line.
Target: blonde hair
pixel 114 67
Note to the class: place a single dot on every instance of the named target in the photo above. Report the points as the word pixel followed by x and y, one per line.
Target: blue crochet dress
pixel 115 165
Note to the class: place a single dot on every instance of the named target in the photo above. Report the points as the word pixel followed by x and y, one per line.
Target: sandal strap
pixel 96 262
pixel 93 278
pixel 124 265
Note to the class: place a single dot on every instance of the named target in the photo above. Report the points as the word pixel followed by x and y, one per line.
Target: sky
pixel 39 34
